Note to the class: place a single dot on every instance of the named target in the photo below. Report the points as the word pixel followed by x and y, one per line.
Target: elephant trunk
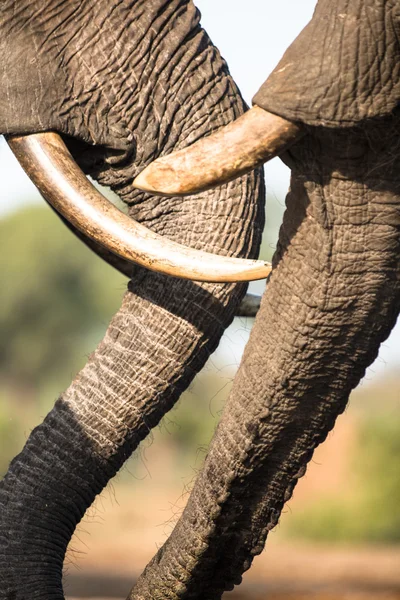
pixel 157 342
pixel 172 87
pixel 332 298
pixel 99 421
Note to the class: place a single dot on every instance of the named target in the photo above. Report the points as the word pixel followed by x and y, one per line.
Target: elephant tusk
pixel 248 307
pixel 50 166
pixel 251 140
pixel 124 267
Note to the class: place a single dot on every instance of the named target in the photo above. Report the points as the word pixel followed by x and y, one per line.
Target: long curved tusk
pixel 124 267
pixel 251 140
pixel 248 307
pixel 50 166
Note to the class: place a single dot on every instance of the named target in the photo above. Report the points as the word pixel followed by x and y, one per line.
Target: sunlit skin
pixel 147 85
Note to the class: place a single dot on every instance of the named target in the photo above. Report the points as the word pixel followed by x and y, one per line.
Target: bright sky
pixel 252 37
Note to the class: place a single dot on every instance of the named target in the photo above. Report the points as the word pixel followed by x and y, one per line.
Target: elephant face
pixel 138 80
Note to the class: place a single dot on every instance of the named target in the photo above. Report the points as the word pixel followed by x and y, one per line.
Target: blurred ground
pixel 134 517
pixel 283 572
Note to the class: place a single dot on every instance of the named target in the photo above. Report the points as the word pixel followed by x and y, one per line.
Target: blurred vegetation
pixel 369 509
pixel 55 303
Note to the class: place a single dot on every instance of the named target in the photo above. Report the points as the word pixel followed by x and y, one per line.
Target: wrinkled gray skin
pixel 138 79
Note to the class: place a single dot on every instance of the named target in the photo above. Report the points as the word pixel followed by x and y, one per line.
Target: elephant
pixel 126 83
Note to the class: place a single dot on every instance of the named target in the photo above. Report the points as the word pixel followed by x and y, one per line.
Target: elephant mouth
pixel 233 151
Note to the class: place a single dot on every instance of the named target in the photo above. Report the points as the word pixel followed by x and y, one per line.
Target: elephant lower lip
pixel 48 163
pixel 234 150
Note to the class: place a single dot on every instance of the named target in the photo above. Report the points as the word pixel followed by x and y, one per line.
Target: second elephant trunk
pixel 332 299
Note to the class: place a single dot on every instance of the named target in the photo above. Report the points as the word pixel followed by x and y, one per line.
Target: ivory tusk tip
pixel 159 179
pixel 47 161
pixel 143 181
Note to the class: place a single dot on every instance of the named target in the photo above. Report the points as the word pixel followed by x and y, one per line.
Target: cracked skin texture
pixel 342 69
pixel 333 297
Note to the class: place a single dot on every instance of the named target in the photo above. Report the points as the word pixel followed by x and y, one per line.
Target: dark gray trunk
pixel 159 340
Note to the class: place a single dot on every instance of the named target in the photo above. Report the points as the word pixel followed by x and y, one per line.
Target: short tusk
pixel 50 166
pixel 251 140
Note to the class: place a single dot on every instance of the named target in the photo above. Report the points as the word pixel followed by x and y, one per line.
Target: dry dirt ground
pixel 132 519
pixel 282 573
pixel 285 573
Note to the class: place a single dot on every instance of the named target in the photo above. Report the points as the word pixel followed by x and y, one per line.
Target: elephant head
pixel 125 82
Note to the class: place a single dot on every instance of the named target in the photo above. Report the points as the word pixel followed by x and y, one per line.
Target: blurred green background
pixel 56 300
